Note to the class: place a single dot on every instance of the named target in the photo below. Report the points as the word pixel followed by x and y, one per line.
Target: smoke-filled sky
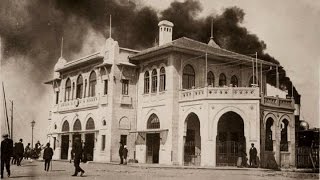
pixel 31 34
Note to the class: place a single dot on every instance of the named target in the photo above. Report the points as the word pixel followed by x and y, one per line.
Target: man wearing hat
pixel 253 155
pixel 6 153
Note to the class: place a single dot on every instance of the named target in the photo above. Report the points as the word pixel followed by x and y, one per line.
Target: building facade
pixel 183 102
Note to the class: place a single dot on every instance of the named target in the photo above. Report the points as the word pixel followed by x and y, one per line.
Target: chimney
pixel 165 32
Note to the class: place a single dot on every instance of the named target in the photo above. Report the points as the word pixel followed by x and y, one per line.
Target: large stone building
pixel 182 102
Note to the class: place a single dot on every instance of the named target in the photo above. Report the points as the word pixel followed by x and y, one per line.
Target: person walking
pixel 77 151
pixel 253 155
pixel 47 156
pixel 121 153
pixel 27 151
pixel 6 153
pixel 125 154
pixel 14 154
pixel 19 151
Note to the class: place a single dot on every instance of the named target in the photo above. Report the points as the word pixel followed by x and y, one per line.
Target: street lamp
pixel 32 125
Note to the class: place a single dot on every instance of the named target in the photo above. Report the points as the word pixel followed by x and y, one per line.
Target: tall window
pixel 153 122
pixel 90 124
pixel 73 89
pixel 284 135
pixel 162 79
pixel 57 97
pixel 105 91
pixel 210 78
pixel 146 82
pixel 92 84
pixel 125 86
pixel 79 87
pixel 85 88
pixel 188 78
pixel 154 81
pixel 65 126
pixel 222 80
pixel 68 90
pixel 269 141
pixel 103 142
pixel 77 125
pixel 234 81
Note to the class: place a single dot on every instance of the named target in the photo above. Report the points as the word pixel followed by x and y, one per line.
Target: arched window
pixel 153 122
pixel 251 81
pixel 146 82
pixel 65 126
pixel 92 84
pixel 103 71
pixel 222 80
pixel 124 123
pixel 188 78
pixel 162 79
pixel 234 81
pixel 73 89
pixel 77 125
pixel 90 124
pixel 210 79
pixel 79 87
pixel 68 90
pixel 268 140
pixel 104 123
pixel 284 146
pixel 154 81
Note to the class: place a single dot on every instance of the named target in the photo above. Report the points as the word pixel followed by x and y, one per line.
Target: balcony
pixel 219 93
pixel 277 102
pixel 88 102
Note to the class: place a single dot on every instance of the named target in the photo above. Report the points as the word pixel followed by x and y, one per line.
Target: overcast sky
pixel 291 30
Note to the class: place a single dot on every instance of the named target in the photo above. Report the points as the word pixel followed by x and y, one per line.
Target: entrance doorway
pixel 64 146
pixel 89 146
pixel 230 140
pixel 153 147
pixel 192 145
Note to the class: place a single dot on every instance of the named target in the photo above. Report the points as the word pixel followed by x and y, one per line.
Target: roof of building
pixel 184 43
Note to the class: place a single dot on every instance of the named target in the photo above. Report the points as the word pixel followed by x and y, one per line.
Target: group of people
pixel 123 153
pixel 253 159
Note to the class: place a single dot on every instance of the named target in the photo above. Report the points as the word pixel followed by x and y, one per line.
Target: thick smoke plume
pixel 31 32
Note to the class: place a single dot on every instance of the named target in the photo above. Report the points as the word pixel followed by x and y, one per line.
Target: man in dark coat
pixel 125 154
pixel 19 151
pixel 77 154
pixel 6 153
pixel 47 156
pixel 121 153
pixel 253 155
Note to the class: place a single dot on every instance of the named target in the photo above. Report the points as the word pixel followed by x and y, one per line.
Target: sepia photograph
pixel 160 89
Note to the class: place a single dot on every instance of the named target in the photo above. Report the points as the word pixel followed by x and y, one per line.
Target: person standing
pixel 27 151
pixel 47 156
pixel 125 154
pixel 121 153
pixel 77 151
pixel 253 155
pixel 6 153
pixel 20 152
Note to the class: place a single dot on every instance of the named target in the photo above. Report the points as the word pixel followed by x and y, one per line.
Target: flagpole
pixel 206 75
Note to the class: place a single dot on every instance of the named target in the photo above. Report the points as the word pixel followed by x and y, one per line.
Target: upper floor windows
pixel 210 78
pixel 125 86
pixel 154 81
pixel 92 84
pixel 188 78
pixel 162 79
pixel 146 82
pixel 222 80
pixel 234 81
pixel 79 90
pixel 68 90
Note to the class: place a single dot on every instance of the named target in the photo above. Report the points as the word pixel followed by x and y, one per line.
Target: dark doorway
pixel 230 140
pixel 64 146
pixel 89 146
pixel 153 146
pixel 192 145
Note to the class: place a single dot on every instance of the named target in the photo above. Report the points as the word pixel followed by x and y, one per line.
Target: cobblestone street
pixel 64 170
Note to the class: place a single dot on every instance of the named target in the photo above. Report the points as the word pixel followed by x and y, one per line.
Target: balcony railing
pixel 79 104
pixel 277 102
pixel 220 93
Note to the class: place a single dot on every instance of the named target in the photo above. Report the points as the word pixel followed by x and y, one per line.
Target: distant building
pixel 183 102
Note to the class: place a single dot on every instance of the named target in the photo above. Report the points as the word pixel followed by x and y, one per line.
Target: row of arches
pixel 154 81
pixel 79 89
pixel 270 134
pixel 77 125
pixel 189 77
